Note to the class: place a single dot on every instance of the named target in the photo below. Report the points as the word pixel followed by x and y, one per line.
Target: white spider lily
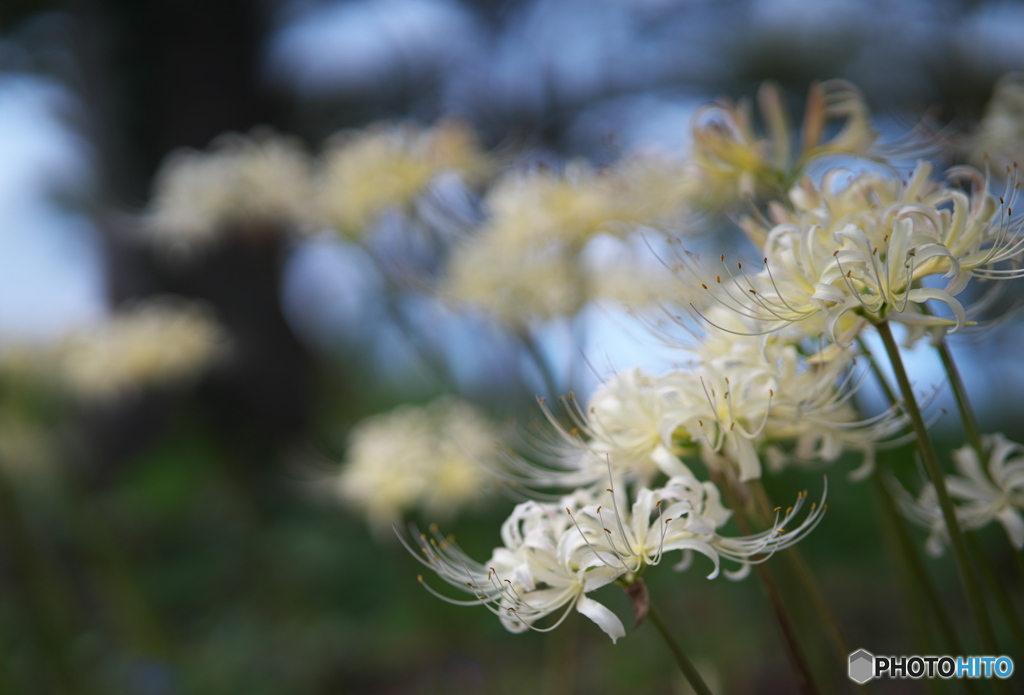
pixel 740 396
pixel 982 494
pixel 725 407
pixel 751 393
pixel 626 425
pixel 432 457
pixel 553 555
pixel 813 413
pixel 387 166
pixel 811 270
pixel 978 228
pixel 862 250
pixel 733 162
pixel 683 515
pixel 248 185
pixel 534 575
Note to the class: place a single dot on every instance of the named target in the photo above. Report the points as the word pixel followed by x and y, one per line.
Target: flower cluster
pixel 161 340
pixel 555 554
pixel 389 166
pixel 858 249
pixel 431 457
pixel 247 185
pixel 758 387
pixel 266 183
pixel 740 401
pixel 731 161
pixel 1000 134
pixel 768 378
pixel 528 261
pixel 987 491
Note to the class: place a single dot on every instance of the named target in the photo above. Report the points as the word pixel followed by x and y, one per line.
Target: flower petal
pixel 605 619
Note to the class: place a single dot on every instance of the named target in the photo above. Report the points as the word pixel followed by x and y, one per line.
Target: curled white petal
pixel 600 614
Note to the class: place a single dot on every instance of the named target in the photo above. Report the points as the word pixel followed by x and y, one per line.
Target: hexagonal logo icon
pixel 862 666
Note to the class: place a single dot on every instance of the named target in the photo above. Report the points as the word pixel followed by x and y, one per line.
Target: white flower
pixel 978 228
pixel 538 207
pixel 624 432
pixel 626 425
pixel 746 393
pixel 732 162
pixel 724 404
pixel 812 415
pixel 554 554
pixel 431 457
pixel 242 184
pixel 388 166
pixel 981 493
pixel 157 341
pixel 741 399
pixel 859 250
pixel 684 515
pixel 531 260
pixel 1000 133
pixel 517 288
pixel 532 576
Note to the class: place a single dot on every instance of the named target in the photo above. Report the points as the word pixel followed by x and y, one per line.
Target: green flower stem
pixel 913 600
pixel 912 566
pixel 890 395
pixel 998 592
pixel 802 669
pixel 963 404
pixel 804 576
pixel 46 601
pixel 685 665
pixel 931 464
pixel 114 575
pixel 908 559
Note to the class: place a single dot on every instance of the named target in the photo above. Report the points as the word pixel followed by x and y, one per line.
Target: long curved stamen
pixel 586 540
pixel 779 293
pixel 854 292
pixel 720 431
pixel 615 505
pixel 767 331
pixel 764 420
pixel 549 628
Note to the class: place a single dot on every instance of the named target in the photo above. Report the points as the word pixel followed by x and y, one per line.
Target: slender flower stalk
pixel 45 599
pixel 931 463
pixel 807 581
pixel 963 404
pixel 801 668
pixel 999 593
pixel 908 559
pixel 912 564
pixel 926 639
pixel 690 671
pixel 117 579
